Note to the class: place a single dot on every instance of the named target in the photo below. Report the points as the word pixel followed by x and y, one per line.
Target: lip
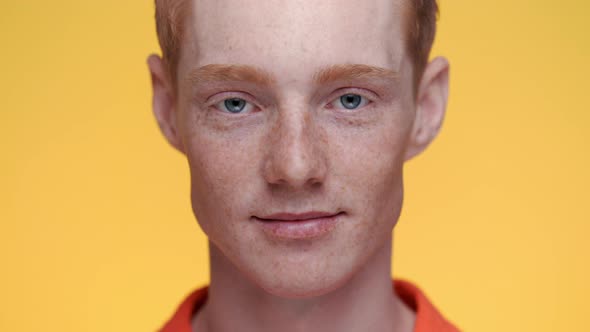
pixel 298 225
pixel 296 216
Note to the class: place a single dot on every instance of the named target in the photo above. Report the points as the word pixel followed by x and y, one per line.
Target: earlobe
pixel 431 104
pixel 164 101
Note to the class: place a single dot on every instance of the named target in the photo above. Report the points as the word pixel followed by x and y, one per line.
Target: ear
pixel 164 101
pixel 431 105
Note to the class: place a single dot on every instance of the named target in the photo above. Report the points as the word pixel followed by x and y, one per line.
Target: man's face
pixel 292 110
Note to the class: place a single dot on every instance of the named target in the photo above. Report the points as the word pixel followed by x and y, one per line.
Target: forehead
pixel 293 39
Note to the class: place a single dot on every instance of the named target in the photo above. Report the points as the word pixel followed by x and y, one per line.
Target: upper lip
pixel 285 216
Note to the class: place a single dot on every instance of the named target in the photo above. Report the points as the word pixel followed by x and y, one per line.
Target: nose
pixel 296 152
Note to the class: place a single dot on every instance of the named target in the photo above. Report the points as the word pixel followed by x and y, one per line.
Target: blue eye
pixel 351 101
pixel 234 105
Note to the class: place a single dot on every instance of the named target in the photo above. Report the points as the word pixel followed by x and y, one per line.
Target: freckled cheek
pixel 222 170
pixel 374 150
pixel 368 164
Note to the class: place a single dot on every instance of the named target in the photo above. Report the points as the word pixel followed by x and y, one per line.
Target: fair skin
pixel 287 110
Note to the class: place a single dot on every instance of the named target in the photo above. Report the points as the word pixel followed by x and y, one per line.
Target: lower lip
pixel 299 229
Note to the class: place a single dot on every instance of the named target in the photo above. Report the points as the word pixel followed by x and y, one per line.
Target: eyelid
pixel 355 90
pixel 216 98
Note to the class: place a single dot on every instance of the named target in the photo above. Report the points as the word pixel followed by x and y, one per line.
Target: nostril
pixel 315 183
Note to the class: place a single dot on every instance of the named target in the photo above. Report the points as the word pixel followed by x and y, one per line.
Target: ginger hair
pixel 420 31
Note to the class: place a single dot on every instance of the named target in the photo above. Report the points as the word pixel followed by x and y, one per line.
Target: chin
pixel 302 281
pixel 302 290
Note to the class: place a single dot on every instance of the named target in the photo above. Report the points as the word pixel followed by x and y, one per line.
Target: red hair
pixel 170 16
pixel 420 31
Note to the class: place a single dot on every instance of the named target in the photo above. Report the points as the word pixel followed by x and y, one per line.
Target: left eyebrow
pixel 348 72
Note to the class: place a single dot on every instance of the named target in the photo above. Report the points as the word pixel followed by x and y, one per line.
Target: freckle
pixel 353 122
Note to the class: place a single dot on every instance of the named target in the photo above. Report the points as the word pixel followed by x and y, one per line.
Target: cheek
pixel 221 175
pixel 368 165
pixel 372 152
pixel 223 162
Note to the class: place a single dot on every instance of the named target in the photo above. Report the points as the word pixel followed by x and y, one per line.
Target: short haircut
pixel 420 30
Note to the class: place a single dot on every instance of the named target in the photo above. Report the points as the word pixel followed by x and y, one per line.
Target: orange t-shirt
pixel 428 319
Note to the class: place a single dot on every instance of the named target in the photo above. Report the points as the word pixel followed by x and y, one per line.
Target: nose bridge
pixel 296 157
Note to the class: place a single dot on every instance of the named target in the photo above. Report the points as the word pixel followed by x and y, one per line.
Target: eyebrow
pixel 347 72
pixel 340 72
pixel 228 73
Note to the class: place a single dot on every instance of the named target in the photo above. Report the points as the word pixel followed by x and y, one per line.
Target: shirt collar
pixel 428 318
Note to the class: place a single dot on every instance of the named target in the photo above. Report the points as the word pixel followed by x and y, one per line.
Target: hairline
pixel 412 34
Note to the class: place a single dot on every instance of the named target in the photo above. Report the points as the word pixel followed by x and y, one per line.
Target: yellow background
pixel 96 228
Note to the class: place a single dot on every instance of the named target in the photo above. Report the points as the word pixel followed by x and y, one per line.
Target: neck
pixel 366 302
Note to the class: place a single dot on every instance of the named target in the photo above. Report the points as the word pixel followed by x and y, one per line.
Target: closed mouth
pixel 294 217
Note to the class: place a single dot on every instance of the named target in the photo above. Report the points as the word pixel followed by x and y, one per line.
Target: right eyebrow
pixel 229 73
